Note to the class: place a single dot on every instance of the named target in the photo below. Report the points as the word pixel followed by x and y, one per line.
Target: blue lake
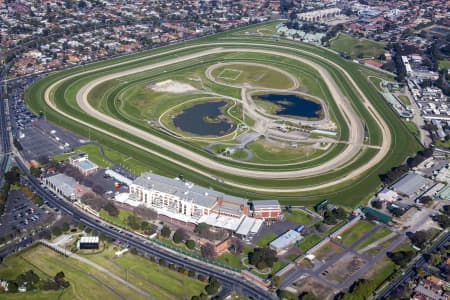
pixel 293 105
pixel 192 119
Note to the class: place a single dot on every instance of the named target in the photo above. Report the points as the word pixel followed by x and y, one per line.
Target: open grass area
pixel 356 232
pixel 357 48
pixel 404 99
pixel 159 282
pixel 381 271
pixel 266 239
pixel 85 281
pixel 298 216
pixel 413 128
pixel 253 75
pixel 308 242
pixel 379 234
pixel 120 220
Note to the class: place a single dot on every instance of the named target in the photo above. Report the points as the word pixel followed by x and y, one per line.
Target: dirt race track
pixel 356 129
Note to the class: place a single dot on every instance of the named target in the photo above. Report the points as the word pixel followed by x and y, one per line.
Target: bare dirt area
pixel 328 251
pixel 344 268
pixel 171 86
pixel 316 287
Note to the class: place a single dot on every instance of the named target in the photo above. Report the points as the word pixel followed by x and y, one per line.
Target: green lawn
pixel 298 216
pixel 256 76
pixel 357 48
pixel 381 271
pixel 120 220
pixel 230 259
pixel 308 242
pixel 412 127
pixel 380 233
pixel 444 64
pixel 404 99
pixel 266 239
pixel 46 263
pixel 355 232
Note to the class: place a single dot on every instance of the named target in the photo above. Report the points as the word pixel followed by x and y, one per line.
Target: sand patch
pixel 171 86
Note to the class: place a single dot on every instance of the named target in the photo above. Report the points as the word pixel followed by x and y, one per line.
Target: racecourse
pixel 355 126
pixel 386 142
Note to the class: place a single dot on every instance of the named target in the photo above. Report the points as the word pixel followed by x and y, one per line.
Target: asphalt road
pixel 352 119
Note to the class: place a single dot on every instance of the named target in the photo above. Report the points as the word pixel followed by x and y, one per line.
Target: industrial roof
pixel 410 184
pixel 185 190
pixel 64 183
pixel 445 193
pixel 89 239
pixel 245 226
pixel 285 240
pixel 265 203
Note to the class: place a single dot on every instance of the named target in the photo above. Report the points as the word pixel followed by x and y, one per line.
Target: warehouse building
pixel 62 185
pixel 285 241
pixel 412 185
pixel 89 242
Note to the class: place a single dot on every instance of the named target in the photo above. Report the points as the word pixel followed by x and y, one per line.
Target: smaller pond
pixel 293 105
pixel 440 30
pixel 204 119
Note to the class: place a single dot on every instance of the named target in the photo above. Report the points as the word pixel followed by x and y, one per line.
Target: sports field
pixel 97 97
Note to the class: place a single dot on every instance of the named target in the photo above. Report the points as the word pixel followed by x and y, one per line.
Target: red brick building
pixel 266 209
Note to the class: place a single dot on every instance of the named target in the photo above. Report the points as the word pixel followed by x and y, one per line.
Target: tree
pixel 213 286
pixel 420 238
pixel 179 235
pixel 36 172
pixel 208 250
pixel 443 221
pixel 401 258
pixel 12 176
pixel 165 231
pixel 276 281
pixel 262 257
pixel 190 244
pixel 238 246
pixel 162 262
pixel 111 209
pixel 56 231
pixel 340 213
pixel 65 226
pixel 307 296
pixel 201 229
pixel 329 218
pixel 361 289
pixel 434 259
pixel 426 200
pixel 146 212
pixel 377 204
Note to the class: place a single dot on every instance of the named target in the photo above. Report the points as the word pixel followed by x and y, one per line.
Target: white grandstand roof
pixel 89 239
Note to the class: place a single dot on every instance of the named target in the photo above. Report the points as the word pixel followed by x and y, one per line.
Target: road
pixel 352 119
pixel 410 272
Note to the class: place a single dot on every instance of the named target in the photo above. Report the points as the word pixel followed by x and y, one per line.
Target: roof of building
pixel 245 226
pixel 186 190
pixel 64 183
pixel 265 203
pixel 221 221
pixel 89 239
pixel 85 165
pixel 410 184
pixel 285 240
pixel 445 193
pixel 379 216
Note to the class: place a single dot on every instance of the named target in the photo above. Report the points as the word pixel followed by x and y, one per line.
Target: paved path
pixel 351 117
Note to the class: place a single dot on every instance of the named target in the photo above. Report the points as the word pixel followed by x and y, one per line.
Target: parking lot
pixel 21 215
pixel 36 144
pixel 108 183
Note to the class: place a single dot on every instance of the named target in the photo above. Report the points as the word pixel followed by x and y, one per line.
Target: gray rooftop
pixel 63 182
pixel 410 184
pixel 185 190
pixel 265 203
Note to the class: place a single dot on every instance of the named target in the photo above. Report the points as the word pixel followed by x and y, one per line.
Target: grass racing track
pixel 349 184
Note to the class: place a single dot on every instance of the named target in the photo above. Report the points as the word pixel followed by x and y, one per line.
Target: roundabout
pixel 205 118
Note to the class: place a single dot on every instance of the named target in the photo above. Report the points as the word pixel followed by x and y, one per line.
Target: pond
pixel 293 105
pixel 204 119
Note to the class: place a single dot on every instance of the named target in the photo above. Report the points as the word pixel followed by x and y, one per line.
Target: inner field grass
pixel 355 232
pixel 345 194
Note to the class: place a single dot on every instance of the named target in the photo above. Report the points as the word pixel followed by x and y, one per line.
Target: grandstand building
pixel 189 203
